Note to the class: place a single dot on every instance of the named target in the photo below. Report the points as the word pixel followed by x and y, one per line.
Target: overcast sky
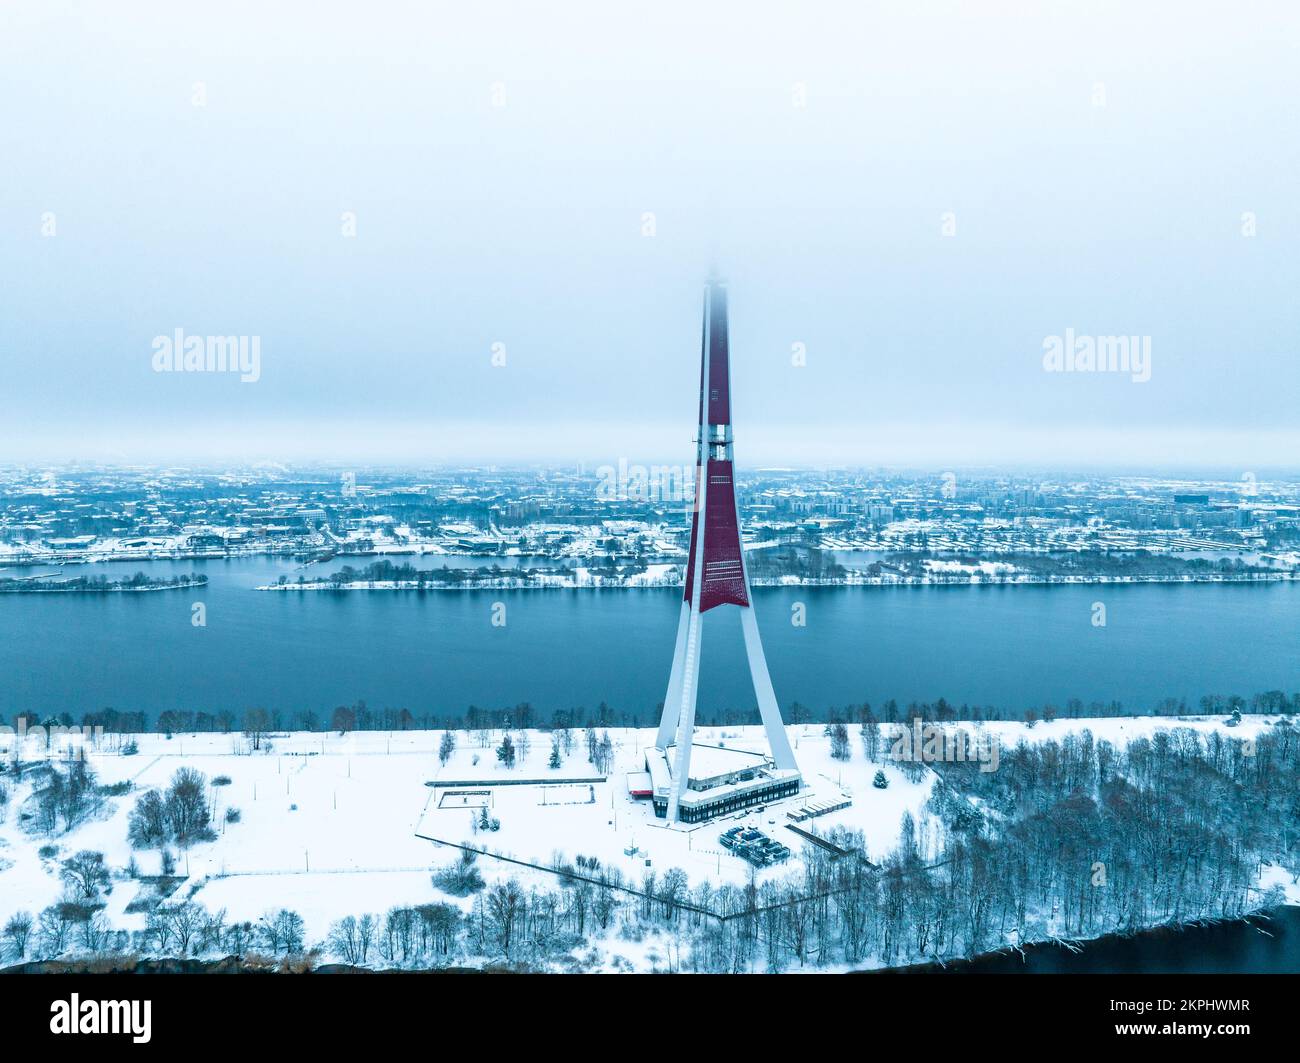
pixel 1094 165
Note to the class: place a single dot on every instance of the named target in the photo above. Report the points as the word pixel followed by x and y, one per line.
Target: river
pixel 1268 943
pixel 439 651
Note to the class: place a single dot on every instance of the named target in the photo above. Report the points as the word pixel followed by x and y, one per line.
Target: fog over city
pixel 480 235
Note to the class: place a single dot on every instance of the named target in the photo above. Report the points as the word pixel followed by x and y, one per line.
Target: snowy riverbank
pixel 336 825
pixel 585 580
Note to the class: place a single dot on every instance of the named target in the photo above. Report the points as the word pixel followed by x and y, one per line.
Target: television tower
pixel 715 570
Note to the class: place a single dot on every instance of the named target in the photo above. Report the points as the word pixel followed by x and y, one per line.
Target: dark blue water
pixel 438 652
pixel 1263 944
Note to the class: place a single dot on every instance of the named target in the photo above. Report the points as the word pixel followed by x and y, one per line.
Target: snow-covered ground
pixel 329 825
pixel 602 820
pixel 335 825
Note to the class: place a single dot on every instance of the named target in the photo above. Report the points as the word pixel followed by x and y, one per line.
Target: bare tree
pixel 839 733
pixel 604 754
pixel 256 724
pixel 505 905
pixel 85 875
pixel 147 824
pixel 18 931
pixel 871 737
pixel 183 922
pixel 344 940
pixel 365 936
pixel 188 815
pixel 54 930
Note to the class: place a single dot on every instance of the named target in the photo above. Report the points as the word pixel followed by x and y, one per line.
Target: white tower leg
pixel 782 754
pixel 686 717
pixel 673 699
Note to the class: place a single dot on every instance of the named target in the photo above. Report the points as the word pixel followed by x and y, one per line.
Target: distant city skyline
pixel 484 239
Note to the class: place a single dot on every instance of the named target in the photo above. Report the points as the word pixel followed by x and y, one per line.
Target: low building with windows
pixel 722 781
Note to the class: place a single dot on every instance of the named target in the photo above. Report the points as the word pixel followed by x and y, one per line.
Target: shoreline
pixel 547 582
pixel 139 963
pixel 1027 951
pixel 16 559
pixel 103 590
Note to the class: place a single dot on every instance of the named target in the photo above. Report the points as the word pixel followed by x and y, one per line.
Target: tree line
pixel 359 716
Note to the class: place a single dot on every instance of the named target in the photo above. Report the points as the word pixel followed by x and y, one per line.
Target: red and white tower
pixel 715 572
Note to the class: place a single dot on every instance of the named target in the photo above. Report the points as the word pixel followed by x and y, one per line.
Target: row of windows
pixel 733 803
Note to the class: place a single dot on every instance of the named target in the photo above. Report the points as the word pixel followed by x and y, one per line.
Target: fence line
pixel 685 906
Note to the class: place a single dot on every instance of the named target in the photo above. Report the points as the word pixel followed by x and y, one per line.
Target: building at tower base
pixel 721 781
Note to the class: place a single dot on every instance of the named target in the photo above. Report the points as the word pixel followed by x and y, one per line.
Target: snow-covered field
pixel 335 825
pixel 327 820
pixel 534 827
pixel 329 825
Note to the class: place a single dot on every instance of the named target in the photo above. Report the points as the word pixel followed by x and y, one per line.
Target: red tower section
pixel 724 565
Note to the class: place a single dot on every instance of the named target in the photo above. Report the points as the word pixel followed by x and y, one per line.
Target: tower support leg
pixel 673 699
pixel 782 754
pixel 686 712
pixel 690 672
